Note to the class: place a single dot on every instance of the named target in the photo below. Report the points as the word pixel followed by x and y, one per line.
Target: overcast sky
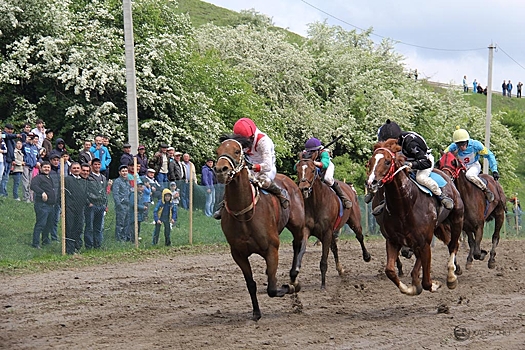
pixel 445 24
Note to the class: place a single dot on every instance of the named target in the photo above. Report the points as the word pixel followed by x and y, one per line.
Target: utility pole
pixel 131 83
pixel 489 107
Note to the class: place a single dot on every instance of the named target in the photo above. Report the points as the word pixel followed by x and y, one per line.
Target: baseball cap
pixel 126 145
pixel 141 147
pixel 9 126
pixel 171 149
pixel 178 154
pixel 151 170
pixel 173 184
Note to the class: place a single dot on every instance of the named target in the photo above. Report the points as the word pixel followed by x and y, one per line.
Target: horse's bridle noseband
pixel 389 176
pixel 316 175
pixel 236 166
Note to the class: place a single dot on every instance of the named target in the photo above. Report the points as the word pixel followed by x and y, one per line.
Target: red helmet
pixel 244 127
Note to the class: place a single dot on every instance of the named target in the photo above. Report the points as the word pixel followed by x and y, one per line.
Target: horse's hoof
pixel 256 316
pixel 452 284
pixel 297 287
pixel 291 288
pixel 367 257
pixel 459 271
pixel 483 255
pixel 468 266
pixel 492 264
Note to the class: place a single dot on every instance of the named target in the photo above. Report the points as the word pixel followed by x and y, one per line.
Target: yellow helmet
pixel 460 135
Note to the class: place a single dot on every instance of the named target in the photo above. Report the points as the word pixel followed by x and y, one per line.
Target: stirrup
pixel 489 195
pixel 346 203
pixel 447 202
pixel 285 203
pixel 379 209
pixel 368 197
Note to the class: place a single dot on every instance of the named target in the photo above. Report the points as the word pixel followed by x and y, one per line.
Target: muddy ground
pixel 201 302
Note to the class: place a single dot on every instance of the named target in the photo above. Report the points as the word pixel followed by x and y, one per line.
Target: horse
pixel 411 218
pixel 477 208
pixel 252 220
pixel 325 214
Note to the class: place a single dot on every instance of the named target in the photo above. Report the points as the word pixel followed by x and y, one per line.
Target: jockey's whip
pixel 333 141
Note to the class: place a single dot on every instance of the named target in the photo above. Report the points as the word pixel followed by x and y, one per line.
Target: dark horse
pixel 252 220
pixel 477 208
pixel 411 218
pixel 322 207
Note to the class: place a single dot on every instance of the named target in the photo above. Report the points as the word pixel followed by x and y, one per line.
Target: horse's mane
pixel 244 141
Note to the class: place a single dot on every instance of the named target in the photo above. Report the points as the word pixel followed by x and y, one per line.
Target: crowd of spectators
pixel 506 88
pixel 32 157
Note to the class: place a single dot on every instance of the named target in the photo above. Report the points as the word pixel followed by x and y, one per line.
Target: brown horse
pixel 477 208
pixel 252 220
pixel 411 218
pixel 322 208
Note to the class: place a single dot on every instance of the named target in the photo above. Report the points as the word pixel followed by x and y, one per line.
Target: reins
pixel 392 170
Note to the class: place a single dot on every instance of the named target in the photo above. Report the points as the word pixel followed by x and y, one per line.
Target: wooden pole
pixel 63 204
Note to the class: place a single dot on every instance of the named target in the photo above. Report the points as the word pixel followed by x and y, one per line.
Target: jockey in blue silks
pixel 469 151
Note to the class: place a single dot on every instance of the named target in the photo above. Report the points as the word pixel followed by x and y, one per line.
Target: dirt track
pixel 201 301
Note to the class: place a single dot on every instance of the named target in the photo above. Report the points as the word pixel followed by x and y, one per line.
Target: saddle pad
pixel 436 177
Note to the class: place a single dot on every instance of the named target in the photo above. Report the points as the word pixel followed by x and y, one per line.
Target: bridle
pixel 392 172
pixel 304 179
pixel 454 171
pixel 236 167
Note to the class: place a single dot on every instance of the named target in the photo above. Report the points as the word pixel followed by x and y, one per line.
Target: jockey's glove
pixel 254 167
pixel 318 164
pixel 408 164
pixel 495 175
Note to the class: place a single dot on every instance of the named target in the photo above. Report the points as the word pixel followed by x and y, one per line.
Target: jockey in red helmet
pixel 324 163
pixel 261 156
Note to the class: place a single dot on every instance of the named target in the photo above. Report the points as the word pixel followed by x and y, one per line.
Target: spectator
pixel 475 84
pixel 142 159
pixel 40 131
pixel 86 156
pixel 132 177
pixel 54 173
pixel 42 155
pixel 415 74
pixel 504 88
pixel 3 152
pixel 509 89
pixel 46 143
pixel 480 89
pixel 141 209
pixel 121 190
pixel 189 175
pixel 175 194
pixel 45 192
pixel 67 163
pixel 164 213
pixel 76 200
pixel 9 157
pixel 85 170
pixel 465 85
pixel 155 186
pixel 176 168
pixel 31 155
pixel 209 180
pixel 105 142
pixel 60 146
pixel 127 157
pixel 101 152
pixel 485 90
pixel 97 204
pixel 18 168
pixel 520 84
pixel 26 130
pixel 159 162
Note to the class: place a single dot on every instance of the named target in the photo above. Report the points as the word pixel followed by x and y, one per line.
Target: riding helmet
pixel 460 135
pixel 389 130
pixel 312 144
pixel 244 127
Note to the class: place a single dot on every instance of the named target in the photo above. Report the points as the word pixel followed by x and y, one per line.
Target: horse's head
pixel 230 159
pixel 381 168
pixel 306 174
pixel 450 163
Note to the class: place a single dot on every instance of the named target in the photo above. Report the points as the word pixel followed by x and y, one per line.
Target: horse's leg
pixel 478 253
pixel 356 227
pixel 495 239
pixel 392 254
pixel 272 261
pixel 399 267
pixel 299 248
pixel 335 252
pixel 244 264
pixel 425 255
pixel 415 288
pixel 323 265
pixel 471 244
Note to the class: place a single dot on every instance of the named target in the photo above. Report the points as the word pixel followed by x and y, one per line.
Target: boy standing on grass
pixel 165 213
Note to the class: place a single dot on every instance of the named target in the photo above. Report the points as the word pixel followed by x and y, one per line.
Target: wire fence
pixel 89 215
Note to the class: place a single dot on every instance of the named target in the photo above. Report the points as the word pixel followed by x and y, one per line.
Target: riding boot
pixel 379 209
pixel 447 202
pixel 281 193
pixel 369 196
pixel 218 212
pixel 337 189
pixel 488 194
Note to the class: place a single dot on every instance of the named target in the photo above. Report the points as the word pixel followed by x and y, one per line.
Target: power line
pixel 499 48
pixel 397 41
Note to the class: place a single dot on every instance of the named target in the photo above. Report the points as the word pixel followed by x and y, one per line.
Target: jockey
pixel 261 157
pixel 327 167
pixel 469 151
pixel 419 158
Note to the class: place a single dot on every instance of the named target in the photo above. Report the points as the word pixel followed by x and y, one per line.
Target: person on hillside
pixel 126 157
pixel 45 192
pixel 164 213
pixel 159 162
pixel 475 85
pixel 142 159
pixel 418 158
pixel 261 157
pixel 518 94
pixel 40 131
pixel 105 142
pixel 10 142
pixel 465 84
pixel 47 142
pixel 3 152
pixel 31 155
pixel 504 88
pixel 101 152
pixel 323 162
pixel 18 168
pixel 86 156
pixel 469 151
pixel 509 89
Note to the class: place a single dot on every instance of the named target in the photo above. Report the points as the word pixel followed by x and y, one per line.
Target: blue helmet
pixel 312 144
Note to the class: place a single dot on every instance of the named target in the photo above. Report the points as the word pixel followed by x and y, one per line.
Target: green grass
pixel 499 103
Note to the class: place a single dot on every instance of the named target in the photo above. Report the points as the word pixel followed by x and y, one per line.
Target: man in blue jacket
pixel 30 150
